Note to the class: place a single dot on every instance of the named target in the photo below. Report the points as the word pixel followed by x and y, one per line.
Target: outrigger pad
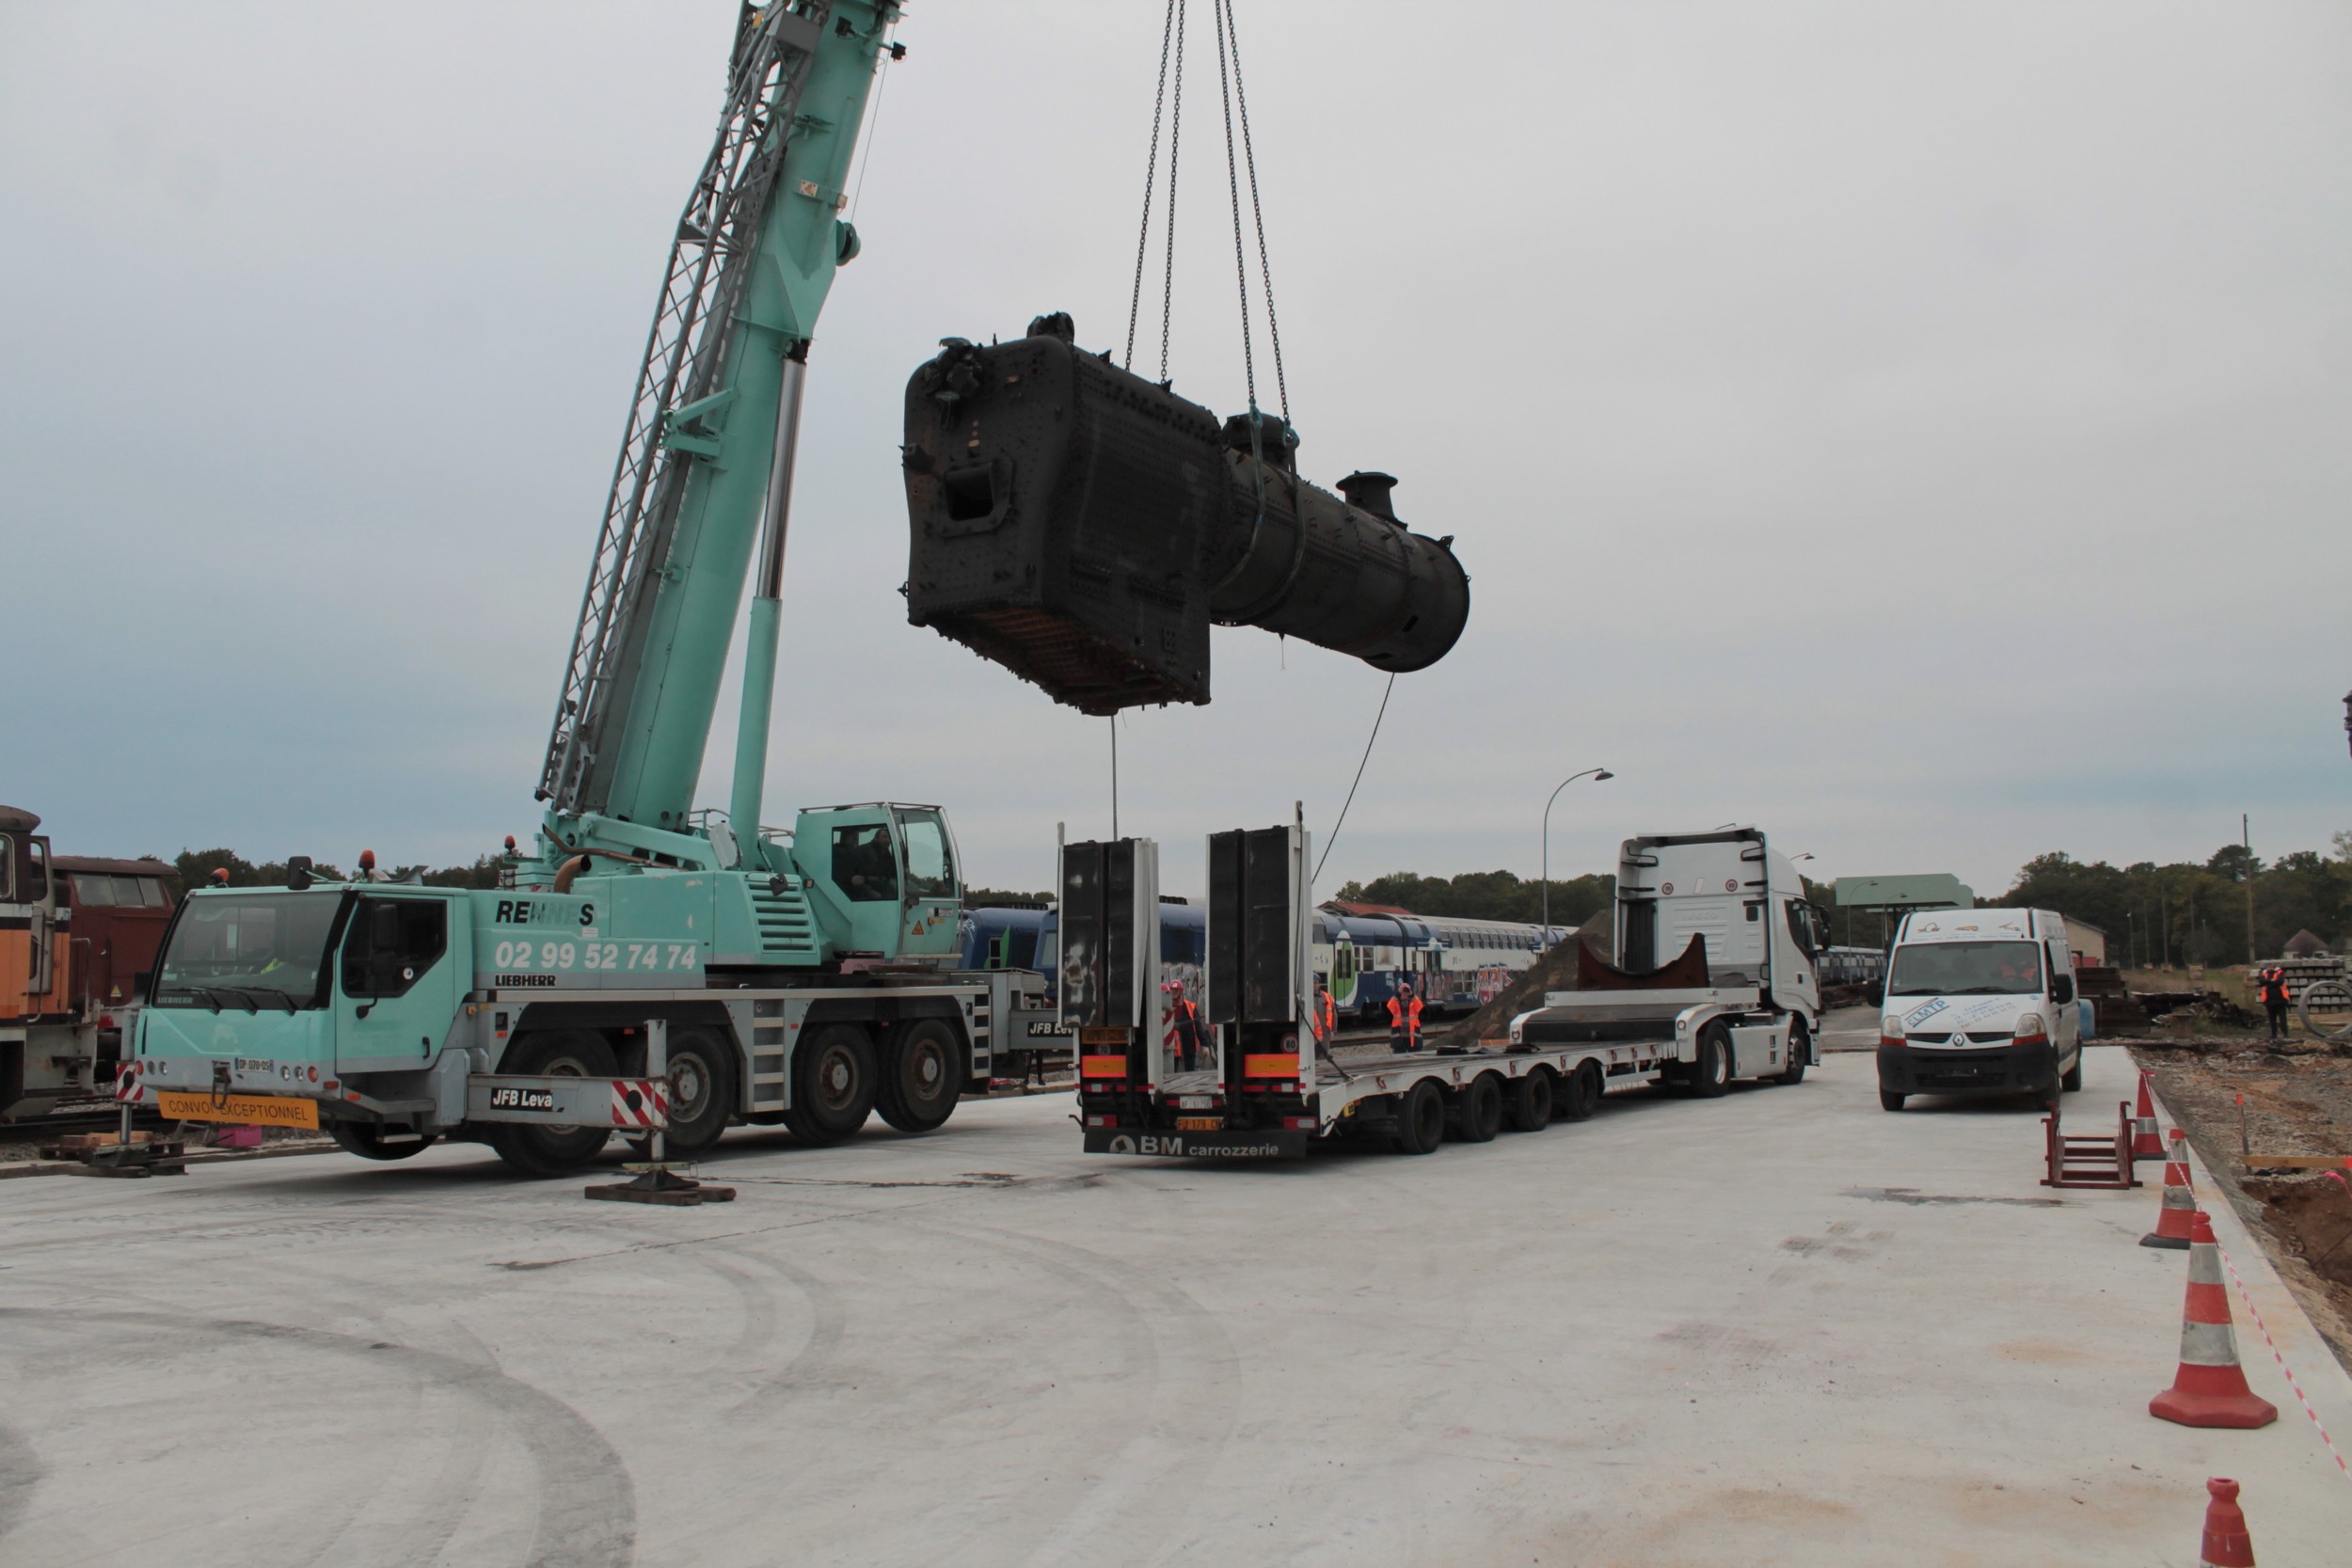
pixel 1084 527
pixel 1689 972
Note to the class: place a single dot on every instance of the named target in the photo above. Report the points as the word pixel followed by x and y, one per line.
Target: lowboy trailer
pixel 1249 1079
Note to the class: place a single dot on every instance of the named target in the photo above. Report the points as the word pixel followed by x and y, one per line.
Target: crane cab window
pixel 930 858
pixel 392 942
pixel 865 867
pixel 8 868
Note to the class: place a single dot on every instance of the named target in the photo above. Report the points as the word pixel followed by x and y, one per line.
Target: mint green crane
pixel 701 499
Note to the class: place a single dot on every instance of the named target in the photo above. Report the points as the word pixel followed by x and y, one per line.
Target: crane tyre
pixel 1477 1112
pixel 832 1084
pixel 701 1092
pixel 1710 1075
pixel 365 1140
pixel 922 1076
pixel 1421 1118
pixel 1582 1095
pixel 548 1151
pixel 1532 1100
pixel 1799 1047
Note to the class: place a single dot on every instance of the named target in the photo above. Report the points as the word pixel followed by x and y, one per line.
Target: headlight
pixel 2029 1026
pixel 1891 1027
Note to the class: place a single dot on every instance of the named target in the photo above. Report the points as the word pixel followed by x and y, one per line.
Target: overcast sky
pixel 1923 429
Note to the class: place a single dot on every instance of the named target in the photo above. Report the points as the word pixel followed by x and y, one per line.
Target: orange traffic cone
pixel 2227 1544
pixel 2145 1144
pixel 2180 1200
pixel 2210 1388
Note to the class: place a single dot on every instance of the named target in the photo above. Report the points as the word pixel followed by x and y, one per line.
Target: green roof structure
pixel 1935 891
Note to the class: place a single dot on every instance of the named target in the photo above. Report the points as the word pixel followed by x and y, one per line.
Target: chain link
pixel 1150 173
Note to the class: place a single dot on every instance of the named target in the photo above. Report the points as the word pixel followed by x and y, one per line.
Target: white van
pixel 1979 1002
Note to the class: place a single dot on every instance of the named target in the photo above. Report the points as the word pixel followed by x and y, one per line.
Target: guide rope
pixel 1314 874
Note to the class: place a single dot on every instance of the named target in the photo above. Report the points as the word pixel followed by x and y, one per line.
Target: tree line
pixel 194 868
pixel 2185 912
pixel 1486 896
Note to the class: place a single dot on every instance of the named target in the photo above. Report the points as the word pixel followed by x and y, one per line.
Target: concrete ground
pixel 1778 1328
pixel 1850 1029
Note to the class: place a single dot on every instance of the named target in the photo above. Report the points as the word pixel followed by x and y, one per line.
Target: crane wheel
pixel 1581 1095
pixel 367 1140
pixel 546 1151
pixel 1532 1101
pixel 702 1091
pixel 1478 1110
pixel 1421 1118
pixel 922 1076
pixel 832 1084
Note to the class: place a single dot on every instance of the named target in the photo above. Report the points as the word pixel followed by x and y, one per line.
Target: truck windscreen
pixel 247 950
pixel 1965 969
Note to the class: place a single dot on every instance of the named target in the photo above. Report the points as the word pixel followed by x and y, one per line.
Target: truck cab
pixel 1979 1002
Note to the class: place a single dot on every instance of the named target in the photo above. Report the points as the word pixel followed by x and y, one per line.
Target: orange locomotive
pixel 77 936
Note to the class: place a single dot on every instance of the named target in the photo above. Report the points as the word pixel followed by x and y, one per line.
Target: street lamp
pixel 1597 774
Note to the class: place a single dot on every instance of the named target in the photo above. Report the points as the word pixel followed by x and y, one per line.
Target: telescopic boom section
pixel 708 446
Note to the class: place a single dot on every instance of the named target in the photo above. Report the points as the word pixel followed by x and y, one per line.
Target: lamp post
pixel 1597 774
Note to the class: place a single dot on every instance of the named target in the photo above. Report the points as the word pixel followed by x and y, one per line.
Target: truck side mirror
pixel 2062 988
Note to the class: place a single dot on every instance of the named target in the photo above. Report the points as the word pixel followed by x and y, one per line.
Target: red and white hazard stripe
pixel 641 1102
pixel 128 1089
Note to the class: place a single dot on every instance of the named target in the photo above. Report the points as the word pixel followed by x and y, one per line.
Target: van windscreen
pixel 1965 969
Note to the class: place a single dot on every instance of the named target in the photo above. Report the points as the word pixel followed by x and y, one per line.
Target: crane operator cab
pixel 887 873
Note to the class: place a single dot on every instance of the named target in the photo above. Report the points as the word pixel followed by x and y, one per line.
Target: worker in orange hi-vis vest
pixel 1405 1018
pixel 2272 988
pixel 1325 1020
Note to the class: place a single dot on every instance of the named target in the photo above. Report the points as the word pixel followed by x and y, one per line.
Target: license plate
pixel 244 1110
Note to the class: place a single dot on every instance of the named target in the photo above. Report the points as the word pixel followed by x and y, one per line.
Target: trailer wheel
pixel 1582 1097
pixel 1532 1101
pixel 1421 1118
pixel 365 1140
pixel 921 1077
pixel 1799 1047
pixel 702 1091
pixel 545 1152
pixel 1478 1110
pixel 833 1084
pixel 1710 1075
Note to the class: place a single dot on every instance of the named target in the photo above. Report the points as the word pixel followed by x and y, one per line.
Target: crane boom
pixel 707 448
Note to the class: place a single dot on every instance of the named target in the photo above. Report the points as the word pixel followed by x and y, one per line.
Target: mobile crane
pixel 800 977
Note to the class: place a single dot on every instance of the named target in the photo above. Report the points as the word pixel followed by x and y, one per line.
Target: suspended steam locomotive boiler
pixel 1084 527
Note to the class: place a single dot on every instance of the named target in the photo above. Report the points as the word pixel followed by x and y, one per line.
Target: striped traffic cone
pixel 2227 1544
pixel 2210 1388
pixel 2180 1201
pixel 2146 1145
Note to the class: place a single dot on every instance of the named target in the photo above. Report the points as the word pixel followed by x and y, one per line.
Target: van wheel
pixel 833 1084
pixel 1420 1119
pixel 545 1152
pixel 1532 1101
pixel 1710 1075
pixel 1799 1047
pixel 1582 1097
pixel 1890 1100
pixel 922 1077
pixel 1478 1110
pixel 2074 1077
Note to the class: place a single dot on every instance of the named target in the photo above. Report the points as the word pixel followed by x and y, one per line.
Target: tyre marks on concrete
pixel 585 1501
pixel 21 1472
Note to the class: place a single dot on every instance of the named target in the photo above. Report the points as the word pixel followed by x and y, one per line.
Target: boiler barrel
pixel 1297 560
pixel 1084 527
